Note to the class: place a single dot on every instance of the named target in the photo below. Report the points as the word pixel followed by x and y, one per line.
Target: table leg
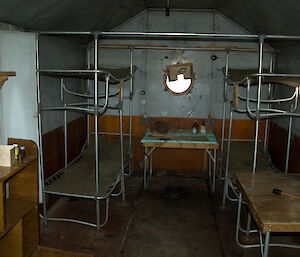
pixel 145 168
pixel 151 166
pixel 248 223
pixel 237 228
pixel 209 170
pixel 214 169
pixel 266 246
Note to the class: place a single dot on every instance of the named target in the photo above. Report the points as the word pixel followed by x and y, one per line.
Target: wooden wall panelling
pixel 53 148
pixel 277 148
pixel 174 159
pixel 53 145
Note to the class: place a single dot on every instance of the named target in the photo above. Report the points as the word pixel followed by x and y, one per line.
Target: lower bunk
pixel 79 179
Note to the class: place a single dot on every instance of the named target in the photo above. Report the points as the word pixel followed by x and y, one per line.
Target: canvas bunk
pixel 100 166
pixel 259 107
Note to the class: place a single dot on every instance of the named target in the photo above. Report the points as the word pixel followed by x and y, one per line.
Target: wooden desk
pixel 272 213
pixel 182 139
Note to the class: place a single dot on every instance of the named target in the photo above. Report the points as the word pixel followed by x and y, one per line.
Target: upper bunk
pixel 241 76
pixel 116 74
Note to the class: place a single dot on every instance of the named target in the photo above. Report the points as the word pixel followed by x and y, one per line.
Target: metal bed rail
pixel 96 111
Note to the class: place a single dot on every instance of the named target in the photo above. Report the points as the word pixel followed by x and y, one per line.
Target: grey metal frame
pixel 257 114
pixel 161 35
pixel 96 111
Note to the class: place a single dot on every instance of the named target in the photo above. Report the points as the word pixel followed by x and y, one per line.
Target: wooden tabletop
pixel 276 213
pixel 183 139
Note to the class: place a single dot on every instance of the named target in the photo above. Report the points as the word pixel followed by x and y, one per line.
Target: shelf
pixel 8 172
pixel 4 76
pixel 16 209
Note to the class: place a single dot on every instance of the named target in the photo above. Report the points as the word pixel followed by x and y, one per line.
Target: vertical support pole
pixel 238 218
pixel 248 224
pixel 65 125
pixel 260 69
pixel 214 170
pixel 88 57
pixel 97 190
pixel 209 168
pixel 151 166
pixel 266 246
pixel 130 113
pixel 224 103
pixel 272 60
pixel 145 167
pixel 228 157
pixel 40 135
pixel 288 144
pixel 122 146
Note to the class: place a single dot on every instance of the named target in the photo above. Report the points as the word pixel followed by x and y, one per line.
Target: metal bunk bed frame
pixel 257 114
pixel 97 110
pixel 160 35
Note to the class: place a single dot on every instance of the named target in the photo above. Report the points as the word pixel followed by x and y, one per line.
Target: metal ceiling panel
pixel 259 17
pixel 69 15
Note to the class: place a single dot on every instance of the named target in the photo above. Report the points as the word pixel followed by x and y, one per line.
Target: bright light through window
pixel 179 86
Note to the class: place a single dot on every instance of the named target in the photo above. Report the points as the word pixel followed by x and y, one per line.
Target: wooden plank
pixel 4 76
pixel 16 209
pixel 12 244
pixel 272 212
pixel 8 172
pixel 2 206
pixel 7 73
pixel 24 185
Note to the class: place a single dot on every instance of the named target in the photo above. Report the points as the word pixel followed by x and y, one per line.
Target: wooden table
pixel 182 139
pixel 271 212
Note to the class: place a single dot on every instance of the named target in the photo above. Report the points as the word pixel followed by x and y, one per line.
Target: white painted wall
pixel 206 97
pixel 18 94
pixel 57 53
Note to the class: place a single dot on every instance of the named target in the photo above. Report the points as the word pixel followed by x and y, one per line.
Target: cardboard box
pixel 7 155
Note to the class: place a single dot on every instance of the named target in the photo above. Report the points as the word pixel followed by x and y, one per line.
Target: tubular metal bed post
pixel 228 156
pixel 65 124
pixel 96 127
pixel 122 144
pixel 130 113
pixel 88 56
pixel 288 143
pixel 40 139
pixel 272 60
pixel 260 69
pixel 224 106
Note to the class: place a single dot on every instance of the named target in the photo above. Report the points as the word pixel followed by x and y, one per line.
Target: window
pixel 178 79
